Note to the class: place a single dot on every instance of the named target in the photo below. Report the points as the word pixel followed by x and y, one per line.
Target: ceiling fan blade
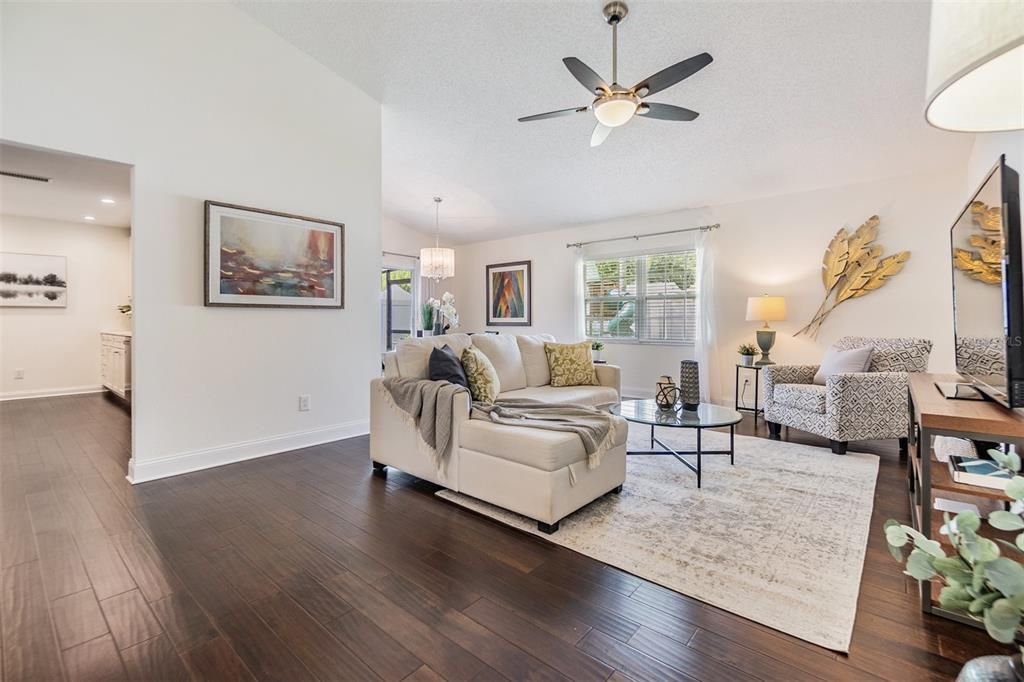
pixel 601 132
pixel 666 112
pixel 554 114
pixel 587 76
pixel 666 78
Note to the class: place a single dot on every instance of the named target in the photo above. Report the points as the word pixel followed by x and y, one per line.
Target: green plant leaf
pixel 919 565
pixel 968 521
pixel 932 547
pixel 1006 575
pixel 983 602
pixel 896 536
pixel 1004 520
pixel 978 583
pixel 1015 488
pixel 954 597
pixel 1020 542
pixel 953 568
pixel 1001 621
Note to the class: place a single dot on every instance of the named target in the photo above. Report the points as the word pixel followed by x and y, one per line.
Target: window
pixel 647 298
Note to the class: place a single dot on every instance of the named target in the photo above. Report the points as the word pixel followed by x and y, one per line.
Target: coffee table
pixel 706 416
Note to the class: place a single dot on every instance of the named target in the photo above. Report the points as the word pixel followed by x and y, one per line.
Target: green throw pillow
pixel 483 379
pixel 571 364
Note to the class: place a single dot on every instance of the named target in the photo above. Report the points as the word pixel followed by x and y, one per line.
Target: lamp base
pixel 765 341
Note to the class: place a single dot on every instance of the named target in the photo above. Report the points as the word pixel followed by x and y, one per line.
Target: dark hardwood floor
pixel 304 566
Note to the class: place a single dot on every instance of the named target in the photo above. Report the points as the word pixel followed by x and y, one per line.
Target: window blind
pixel 645 298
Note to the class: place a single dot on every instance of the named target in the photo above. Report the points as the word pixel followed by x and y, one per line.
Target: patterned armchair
pixel 854 406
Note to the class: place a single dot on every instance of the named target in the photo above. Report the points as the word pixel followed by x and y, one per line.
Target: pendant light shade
pixel 437 263
pixel 976 65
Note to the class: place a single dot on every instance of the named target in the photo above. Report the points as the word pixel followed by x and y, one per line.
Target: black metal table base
pixel 699 452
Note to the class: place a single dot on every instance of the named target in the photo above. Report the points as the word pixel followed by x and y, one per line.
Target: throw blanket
pixel 429 406
pixel 594 427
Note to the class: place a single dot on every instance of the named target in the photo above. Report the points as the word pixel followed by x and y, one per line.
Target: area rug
pixel 779 538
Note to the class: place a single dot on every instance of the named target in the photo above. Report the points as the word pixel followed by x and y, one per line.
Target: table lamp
pixel 767 309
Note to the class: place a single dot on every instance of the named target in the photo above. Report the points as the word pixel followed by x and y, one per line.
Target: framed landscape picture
pixel 508 294
pixel 29 280
pixel 273 260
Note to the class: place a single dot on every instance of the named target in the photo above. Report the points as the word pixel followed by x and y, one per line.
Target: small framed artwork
pixel 30 280
pixel 258 258
pixel 508 294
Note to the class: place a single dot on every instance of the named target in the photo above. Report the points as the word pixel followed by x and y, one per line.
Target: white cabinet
pixel 116 362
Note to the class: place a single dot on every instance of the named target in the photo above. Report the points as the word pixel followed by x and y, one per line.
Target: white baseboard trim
pixel 49 392
pixel 185 462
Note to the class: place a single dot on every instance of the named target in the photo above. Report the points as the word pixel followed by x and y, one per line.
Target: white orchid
pixel 447 309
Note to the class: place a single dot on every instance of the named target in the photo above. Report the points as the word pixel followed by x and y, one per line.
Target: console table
pixel 931 414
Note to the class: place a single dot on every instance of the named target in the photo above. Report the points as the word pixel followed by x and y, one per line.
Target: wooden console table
pixel 932 414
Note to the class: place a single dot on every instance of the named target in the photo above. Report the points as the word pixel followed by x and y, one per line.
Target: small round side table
pixel 756 410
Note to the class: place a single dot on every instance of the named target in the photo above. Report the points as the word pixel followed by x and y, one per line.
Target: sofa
pixel 852 406
pixel 538 473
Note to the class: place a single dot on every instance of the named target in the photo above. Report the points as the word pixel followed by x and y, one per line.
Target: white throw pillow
pixel 842 362
pixel 535 360
pixel 413 355
pixel 503 352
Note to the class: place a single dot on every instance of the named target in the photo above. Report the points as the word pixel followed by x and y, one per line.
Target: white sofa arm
pixel 611 376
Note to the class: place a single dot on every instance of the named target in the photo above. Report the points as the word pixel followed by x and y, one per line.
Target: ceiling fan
pixel 615 105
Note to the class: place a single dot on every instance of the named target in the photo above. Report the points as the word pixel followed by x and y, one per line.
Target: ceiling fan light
pixel 616 110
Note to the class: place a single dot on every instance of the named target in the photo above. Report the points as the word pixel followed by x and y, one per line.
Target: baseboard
pixel 185 462
pixel 49 392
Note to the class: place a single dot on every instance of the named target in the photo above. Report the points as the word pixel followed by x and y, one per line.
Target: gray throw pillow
pixel 842 362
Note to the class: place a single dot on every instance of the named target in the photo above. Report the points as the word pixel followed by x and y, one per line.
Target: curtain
pixel 578 313
pixel 705 350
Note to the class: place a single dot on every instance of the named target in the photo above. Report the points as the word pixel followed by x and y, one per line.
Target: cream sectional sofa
pixel 537 473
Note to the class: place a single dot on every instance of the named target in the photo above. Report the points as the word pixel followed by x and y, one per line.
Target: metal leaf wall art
pixel 985 261
pixel 852 267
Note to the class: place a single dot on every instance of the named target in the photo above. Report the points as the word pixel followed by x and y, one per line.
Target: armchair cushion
pixel 776 375
pixel 807 397
pixel 891 355
pixel 864 405
pixel 838 361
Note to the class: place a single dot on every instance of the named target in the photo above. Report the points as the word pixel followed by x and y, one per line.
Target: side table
pixel 756 410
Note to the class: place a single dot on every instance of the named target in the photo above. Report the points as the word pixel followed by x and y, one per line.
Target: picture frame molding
pixel 208 204
pixel 528 266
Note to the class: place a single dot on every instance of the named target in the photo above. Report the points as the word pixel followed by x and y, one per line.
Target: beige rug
pixel 779 538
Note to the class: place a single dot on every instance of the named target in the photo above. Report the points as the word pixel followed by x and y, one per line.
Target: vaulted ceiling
pixel 801 95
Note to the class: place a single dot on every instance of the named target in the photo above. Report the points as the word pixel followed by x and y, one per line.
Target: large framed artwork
pixel 273 260
pixel 508 294
pixel 29 280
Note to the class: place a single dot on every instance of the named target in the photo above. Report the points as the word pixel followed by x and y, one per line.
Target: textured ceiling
pixel 77 183
pixel 801 95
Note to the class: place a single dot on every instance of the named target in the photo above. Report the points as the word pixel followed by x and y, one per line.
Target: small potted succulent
pixel 747 352
pixel 983 579
pixel 595 349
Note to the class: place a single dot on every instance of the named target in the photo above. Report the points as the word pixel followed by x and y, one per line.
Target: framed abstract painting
pixel 257 258
pixel 29 280
pixel 509 294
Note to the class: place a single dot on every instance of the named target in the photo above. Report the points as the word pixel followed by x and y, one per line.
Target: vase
pixel 666 393
pixel 747 360
pixel 689 384
pixel 992 669
pixel 438 330
pixel 596 354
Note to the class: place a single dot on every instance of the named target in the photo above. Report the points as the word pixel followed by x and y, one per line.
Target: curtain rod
pixel 702 228
pixel 403 255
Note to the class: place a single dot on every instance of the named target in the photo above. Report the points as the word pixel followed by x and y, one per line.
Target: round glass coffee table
pixel 706 416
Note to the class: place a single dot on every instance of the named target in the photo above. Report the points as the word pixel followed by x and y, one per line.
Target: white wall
pixel 208 104
pixel 59 348
pixel 772 245
pixel 985 152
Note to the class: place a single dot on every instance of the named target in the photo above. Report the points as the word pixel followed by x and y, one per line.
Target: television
pixel 988 289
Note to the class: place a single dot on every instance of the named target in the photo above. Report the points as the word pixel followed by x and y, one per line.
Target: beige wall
pixel 770 245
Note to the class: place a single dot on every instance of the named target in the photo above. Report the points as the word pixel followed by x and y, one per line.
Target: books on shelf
pixel 980 472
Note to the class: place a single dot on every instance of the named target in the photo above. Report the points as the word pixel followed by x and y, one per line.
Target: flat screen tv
pixel 988 289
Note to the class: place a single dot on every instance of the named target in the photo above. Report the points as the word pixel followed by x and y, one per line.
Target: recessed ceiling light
pixel 89 217
pixel 107 200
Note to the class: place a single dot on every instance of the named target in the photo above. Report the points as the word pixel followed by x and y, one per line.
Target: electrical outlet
pixel 303 403
pixel 19 374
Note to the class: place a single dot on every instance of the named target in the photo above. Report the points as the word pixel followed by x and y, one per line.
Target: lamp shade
pixel 437 263
pixel 766 308
pixel 976 65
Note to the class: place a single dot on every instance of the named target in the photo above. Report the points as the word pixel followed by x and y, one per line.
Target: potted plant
pixel 595 349
pixel 979 580
pixel 747 352
pixel 427 317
